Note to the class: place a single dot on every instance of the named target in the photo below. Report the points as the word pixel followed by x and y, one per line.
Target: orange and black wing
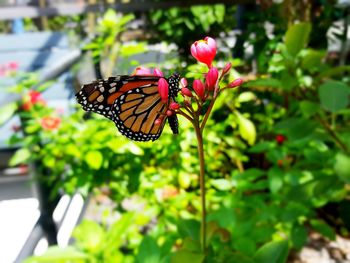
pixel 132 102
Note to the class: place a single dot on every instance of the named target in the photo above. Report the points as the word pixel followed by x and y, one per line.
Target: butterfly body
pixel 133 103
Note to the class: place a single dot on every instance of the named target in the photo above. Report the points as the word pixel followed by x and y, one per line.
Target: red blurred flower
pixel 163 89
pixel 198 87
pixel 50 123
pixel 13 66
pixel 236 83
pixel 33 97
pixel 280 138
pixel 211 78
pixel 204 50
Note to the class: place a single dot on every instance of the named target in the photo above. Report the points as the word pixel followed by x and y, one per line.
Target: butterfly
pixel 133 103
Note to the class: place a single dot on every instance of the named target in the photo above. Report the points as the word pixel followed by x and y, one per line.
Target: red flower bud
pixel 163 89
pixel 204 50
pixel 158 121
pixel 236 83
pixel 186 92
pixel 174 106
pixel 169 113
pixel 198 87
pixel 183 82
pixel 212 78
pixel 280 138
pixel 157 72
pixel 226 69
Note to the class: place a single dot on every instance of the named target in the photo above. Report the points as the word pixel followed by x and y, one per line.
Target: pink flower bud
pixel 186 92
pixel 163 89
pixel 204 50
pixel 157 72
pixel 212 78
pixel 236 83
pixel 183 82
pixel 226 69
pixel 198 87
pixel 158 121
pixel 174 106
pixel 169 113
pixel 141 70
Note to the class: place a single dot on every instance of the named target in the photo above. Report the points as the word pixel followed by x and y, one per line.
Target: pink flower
pixel 163 89
pixel 157 72
pixel 183 82
pixel 141 70
pixel 198 87
pixel 13 66
pixel 204 50
pixel 186 92
pixel 174 106
pixel 169 113
pixel 236 83
pixel 50 123
pixel 212 78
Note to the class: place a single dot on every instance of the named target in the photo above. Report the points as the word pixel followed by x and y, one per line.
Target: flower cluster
pixel 8 69
pixel 31 99
pixel 50 123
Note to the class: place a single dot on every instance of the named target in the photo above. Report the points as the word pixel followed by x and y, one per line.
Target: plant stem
pixel 201 184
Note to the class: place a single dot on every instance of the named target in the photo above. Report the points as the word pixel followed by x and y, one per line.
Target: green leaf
pixel 309 108
pixel 59 255
pixel 299 236
pixel 323 228
pixel 6 112
pixel 246 129
pixel 275 179
pixel 221 184
pixel 149 251
pixel 295 128
pixel 184 256
pixel 342 167
pixel 312 59
pixel 189 228
pixel 21 156
pixel 89 235
pixel 272 252
pixel 260 147
pixel 268 82
pixel 334 95
pixel 246 96
pixel 94 159
pixel 297 37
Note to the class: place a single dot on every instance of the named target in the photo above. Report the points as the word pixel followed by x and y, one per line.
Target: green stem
pixel 201 184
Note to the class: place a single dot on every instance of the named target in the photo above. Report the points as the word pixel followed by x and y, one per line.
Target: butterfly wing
pixel 132 102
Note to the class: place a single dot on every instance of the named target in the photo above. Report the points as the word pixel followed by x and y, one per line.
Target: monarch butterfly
pixel 133 103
